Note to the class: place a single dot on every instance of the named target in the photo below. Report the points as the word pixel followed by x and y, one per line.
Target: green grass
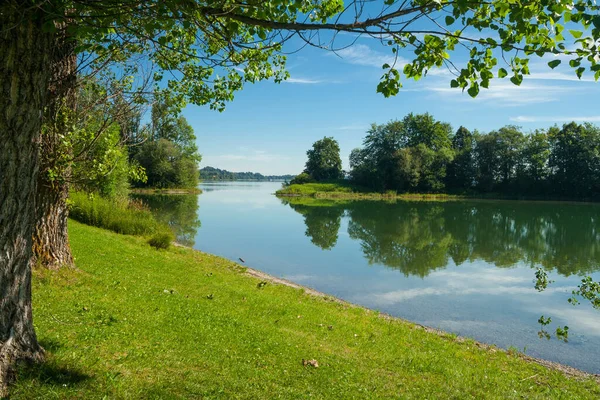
pixel 135 322
pixel 345 190
pixel 121 216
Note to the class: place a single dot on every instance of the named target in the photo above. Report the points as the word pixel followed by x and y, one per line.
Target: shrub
pixel 161 239
pixel 302 179
pixel 118 215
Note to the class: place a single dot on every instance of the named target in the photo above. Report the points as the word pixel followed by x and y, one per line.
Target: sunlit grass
pixel 118 215
pixel 346 190
pixel 135 322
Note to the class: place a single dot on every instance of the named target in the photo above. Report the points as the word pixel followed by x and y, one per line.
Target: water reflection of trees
pixel 179 211
pixel 418 237
pixel 322 223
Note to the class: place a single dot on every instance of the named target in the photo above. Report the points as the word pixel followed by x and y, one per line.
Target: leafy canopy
pixel 206 50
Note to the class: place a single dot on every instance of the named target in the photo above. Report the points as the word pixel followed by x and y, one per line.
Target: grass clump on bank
pixel 134 322
pixel 124 216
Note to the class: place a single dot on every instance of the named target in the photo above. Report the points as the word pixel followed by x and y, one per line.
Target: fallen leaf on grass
pixel 312 363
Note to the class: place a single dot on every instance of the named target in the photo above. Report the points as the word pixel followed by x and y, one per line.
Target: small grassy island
pixel 135 322
pixel 346 190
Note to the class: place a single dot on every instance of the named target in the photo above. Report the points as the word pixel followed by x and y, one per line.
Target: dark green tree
pixel 424 129
pixel 510 143
pixel 575 160
pixel 462 171
pixel 324 162
pixel 407 155
pixel 380 156
pixel 533 177
pixel 169 155
pixel 487 163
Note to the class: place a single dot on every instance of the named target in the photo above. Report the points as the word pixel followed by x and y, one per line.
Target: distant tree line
pixel 421 154
pixel 216 174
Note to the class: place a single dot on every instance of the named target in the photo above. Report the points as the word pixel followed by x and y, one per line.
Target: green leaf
pixel 449 20
pixel 502 73
pixel 554 63
pixel 576 34
pixel 517 79
pixel 454 83
pixel 473 90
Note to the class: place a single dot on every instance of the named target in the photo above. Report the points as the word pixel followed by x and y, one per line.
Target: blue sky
pixel 269 127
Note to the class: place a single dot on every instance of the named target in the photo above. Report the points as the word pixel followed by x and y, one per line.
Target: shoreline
pixel 166 191
pixel 552 365
pixel 440 197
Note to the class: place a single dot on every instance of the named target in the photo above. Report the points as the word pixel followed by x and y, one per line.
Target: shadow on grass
pixel 50 372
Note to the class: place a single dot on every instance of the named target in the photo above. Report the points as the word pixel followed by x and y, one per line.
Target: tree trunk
pixel 24 77
pixel 51 239
pixel 51 247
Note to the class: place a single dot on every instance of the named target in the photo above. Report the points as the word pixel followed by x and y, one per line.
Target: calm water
pixel 464 267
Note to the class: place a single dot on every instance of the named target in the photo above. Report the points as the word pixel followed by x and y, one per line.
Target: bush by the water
pixel 161 239
pixel 118 215
pixel 302 178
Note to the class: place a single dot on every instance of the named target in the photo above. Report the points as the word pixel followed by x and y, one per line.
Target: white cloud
pixel 558 76
pixel 585 319
pixel 251 157
pixel 483 281
pixel 403 295
pixel 505 94
pixel 360 54
pixel 531 118
pixel 247 154
pixel 352 128
pixel 488 276
pixel 303 81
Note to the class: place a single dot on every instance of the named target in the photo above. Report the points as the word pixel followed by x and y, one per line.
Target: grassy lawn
pixel 135 322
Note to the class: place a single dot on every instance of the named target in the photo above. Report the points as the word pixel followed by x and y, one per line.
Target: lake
pixel 466 267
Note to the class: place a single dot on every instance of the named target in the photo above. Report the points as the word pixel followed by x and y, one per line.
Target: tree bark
pixel 51 247
pixel 24 77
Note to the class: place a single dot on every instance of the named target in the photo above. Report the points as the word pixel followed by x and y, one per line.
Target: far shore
pixel 346 191
pixel 166 191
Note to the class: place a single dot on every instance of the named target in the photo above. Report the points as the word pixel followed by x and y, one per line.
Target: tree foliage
pixel 559 162
pixel 408 155
pixel 100 142
pixel 169 155
pixel 324 162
